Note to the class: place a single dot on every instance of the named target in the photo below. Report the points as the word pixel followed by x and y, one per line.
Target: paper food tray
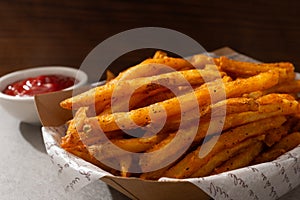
pixel 264 181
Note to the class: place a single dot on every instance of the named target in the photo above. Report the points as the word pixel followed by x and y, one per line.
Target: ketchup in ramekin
pixel 38 85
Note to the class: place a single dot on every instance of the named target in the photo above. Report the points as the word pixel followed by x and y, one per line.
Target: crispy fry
pixel 190 163
pixel 149 67
pixel 267 103
pixel 104 93
pixel 72 137
pixel 154 66
pixel 286 108
pixel 274 135
pixel 236 119
pixel 227 154
pixel 243 159
pixel 202 132
pixel 141 117
pixel 160 96
pixel 152 175
pixel 138 144
pixel 231 105
pixel 154 87
pixel 249 69
pixel 287 143
pixel 122 106
pixel 107 150
pixel 287 87
pixel 174 63
pixel 169 149
pixel 73 143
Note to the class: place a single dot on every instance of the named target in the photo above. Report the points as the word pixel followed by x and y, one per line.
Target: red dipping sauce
pixel 38 85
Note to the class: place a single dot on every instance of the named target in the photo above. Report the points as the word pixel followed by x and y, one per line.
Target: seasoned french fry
pixel 287 87
pixel 237 119
pixel 73 143
pixel 122 106
pixel 160 96
pixel 274 98
pixel 286 108
pixel 202 132
pixel 156 96
pixel 135 145
pixel 274 135
pixel 287 143
pixel 175 63
pixel 169 149
pixel 147 68
pixel 267 103
pixel 243 159
pixel 152 175
pixel 231 105
pixel 249 69
pixel 240 118
pixel 154 66
pixel 141 116
pixel 72 137
pixel 248 145
pixel 104 93
pixel 138 144
pixel 144 93
pixel 190 163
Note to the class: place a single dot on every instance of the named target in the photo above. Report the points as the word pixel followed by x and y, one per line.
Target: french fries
pixel 242 159
pixel 230 156
pixel 147 68
pixel 189 165
pixel 245 69
pixel 173 106
pixel 252 118
pixel 287 143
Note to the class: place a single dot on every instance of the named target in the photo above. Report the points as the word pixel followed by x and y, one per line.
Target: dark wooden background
pixel 48 32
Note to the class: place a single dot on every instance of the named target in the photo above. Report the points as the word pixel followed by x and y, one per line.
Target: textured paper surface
pixel 74 172
pixel 264 181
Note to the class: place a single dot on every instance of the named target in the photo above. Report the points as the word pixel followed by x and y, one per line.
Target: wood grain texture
pixel 36 32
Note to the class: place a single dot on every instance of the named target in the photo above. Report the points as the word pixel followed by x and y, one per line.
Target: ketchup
pixel 38 85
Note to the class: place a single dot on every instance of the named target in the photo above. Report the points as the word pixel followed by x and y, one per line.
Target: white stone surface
pixel 26 171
